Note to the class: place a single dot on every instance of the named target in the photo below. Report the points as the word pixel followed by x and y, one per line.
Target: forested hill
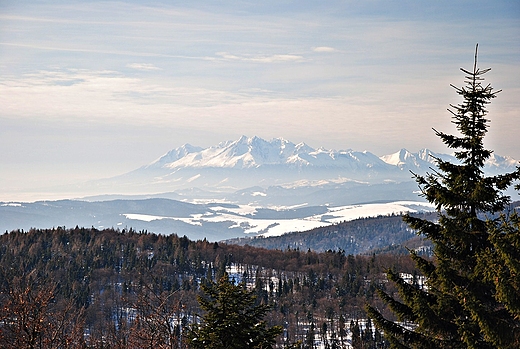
pixel 91 285
pixel 370 235
pixel 360 236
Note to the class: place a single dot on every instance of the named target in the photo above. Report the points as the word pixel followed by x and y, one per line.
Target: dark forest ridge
pixel 90 285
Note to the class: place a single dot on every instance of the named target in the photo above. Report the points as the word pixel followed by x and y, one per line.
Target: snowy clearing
pixel 243 217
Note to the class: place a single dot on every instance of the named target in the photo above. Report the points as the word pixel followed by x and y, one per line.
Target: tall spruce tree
pixel 464 304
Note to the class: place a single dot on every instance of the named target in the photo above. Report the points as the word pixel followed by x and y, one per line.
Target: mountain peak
pixel 175 154
pixel 397 159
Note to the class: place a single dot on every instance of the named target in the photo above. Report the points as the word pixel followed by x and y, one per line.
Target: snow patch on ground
pixel 243 217
pixel 12 204
pixel 142 217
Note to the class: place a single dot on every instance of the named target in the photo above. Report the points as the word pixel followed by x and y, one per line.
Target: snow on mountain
pixel 405 160
pixel 497 163
pixel 249 162
pixel 242 153
pixel 175 154
pixel 425 159
pixel 256 152
pixel 397 159
pixel 215 221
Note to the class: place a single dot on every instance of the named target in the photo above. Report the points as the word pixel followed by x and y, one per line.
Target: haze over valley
pixel 246 187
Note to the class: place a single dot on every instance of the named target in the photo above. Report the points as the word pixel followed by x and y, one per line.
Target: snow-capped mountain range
pixel 279 172
pixel 255 152
pixel 280 161
pixel 247 153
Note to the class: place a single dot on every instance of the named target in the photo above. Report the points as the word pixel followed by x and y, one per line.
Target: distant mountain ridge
pixel 255 152
pixel 215 221
pixel 249 162
pixel 246 153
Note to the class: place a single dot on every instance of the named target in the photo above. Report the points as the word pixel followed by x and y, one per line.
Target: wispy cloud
pixel 143 66
pixel 109 96
pixel 324 49
pixel 261 58
pixel 105 95
pixel 102 51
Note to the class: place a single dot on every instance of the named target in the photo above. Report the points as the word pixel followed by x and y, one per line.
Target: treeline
pixel 353 237
pixel 93 288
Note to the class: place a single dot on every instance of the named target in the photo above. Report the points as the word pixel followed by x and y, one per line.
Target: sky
pixel 94 89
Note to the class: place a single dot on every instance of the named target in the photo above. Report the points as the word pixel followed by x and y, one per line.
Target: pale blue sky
pixel 92 89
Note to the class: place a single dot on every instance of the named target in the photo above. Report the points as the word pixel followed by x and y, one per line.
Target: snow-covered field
pixel 244 217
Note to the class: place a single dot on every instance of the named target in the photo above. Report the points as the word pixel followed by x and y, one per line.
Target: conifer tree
pixel 501 264
pixel 232 319
pixel 464 304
